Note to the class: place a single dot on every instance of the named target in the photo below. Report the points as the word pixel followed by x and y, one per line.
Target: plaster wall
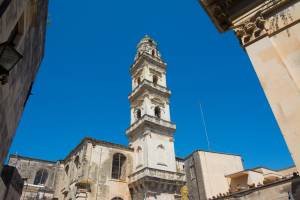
pixel 255 178
pixel 214 168
pixel 286 172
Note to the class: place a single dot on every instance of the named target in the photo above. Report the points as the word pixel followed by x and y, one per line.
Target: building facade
pixel 147 168
pixel 22 40
pixel 269 31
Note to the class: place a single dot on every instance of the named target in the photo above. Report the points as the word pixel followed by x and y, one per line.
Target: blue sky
pixel 82 86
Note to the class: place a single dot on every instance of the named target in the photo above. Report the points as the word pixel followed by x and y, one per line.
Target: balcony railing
pixel 156 173
pixel 151 119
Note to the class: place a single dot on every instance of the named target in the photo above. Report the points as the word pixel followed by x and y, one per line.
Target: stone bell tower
pixel 151 130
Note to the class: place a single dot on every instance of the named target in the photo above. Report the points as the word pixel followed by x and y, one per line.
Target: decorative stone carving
pixel 251 29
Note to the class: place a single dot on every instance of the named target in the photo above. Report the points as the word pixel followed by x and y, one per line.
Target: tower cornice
pixel 148 121
pixel 147 57
pixel 147 85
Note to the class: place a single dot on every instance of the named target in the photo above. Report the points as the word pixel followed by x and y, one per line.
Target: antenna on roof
pixel 205 128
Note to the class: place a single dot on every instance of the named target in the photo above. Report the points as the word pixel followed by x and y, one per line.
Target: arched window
pixel 67 169
pixel 155 79
pixel 41 177
pixel 77 162
pixel 138 113
pixel 157 112
pixel 118 166
pixel 117 198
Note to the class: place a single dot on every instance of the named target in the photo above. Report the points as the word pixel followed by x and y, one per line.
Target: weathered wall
pixel 2 189
pixel 95 169
pixel 29 42
pixel 28 169
pixel 13 182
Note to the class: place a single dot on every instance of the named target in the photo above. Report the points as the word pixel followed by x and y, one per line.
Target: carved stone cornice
pixel 150 122
pixel 145 57
pixel 223 12
pixel 266 19
pixel 252 29
pixel 149 86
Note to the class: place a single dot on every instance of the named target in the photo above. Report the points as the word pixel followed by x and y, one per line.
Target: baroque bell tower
pixel 151 133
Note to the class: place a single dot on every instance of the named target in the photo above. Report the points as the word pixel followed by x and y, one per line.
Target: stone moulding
pixel 147 85
pixel 146 57
pixel 154 122
pixel 223 12
pixel 257 23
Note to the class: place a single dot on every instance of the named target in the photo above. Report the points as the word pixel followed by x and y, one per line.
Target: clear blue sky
pixel 82 86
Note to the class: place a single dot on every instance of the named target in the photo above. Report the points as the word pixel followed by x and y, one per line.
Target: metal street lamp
pixel 9 57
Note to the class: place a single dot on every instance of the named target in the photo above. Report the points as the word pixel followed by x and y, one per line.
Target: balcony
pixel 151 121
pixel 150 86
pixel 148 173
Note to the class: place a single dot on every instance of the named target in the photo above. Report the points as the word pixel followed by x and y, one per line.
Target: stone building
pixel 147 168
pixel 22 40
pixel 269 31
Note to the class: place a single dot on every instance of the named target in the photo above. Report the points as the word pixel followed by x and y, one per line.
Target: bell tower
pixel 151 131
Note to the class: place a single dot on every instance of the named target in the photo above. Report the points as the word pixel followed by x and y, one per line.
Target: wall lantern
pixel 9 57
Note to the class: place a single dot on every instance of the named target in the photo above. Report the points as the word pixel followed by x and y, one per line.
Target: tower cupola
pixel 147 46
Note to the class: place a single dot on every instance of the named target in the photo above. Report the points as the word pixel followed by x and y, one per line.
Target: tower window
pixel 138 80
pixel 118 166
pixel 77 162
pixel 67 169
pixel 155 79
pixel 40 177
pixel 138 114
pixel 153 52
pixel 157 111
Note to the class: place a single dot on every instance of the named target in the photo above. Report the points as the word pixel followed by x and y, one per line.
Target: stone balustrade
pixel 156 173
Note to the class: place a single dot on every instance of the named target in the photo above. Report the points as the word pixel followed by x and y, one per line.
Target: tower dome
pixel 147 46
